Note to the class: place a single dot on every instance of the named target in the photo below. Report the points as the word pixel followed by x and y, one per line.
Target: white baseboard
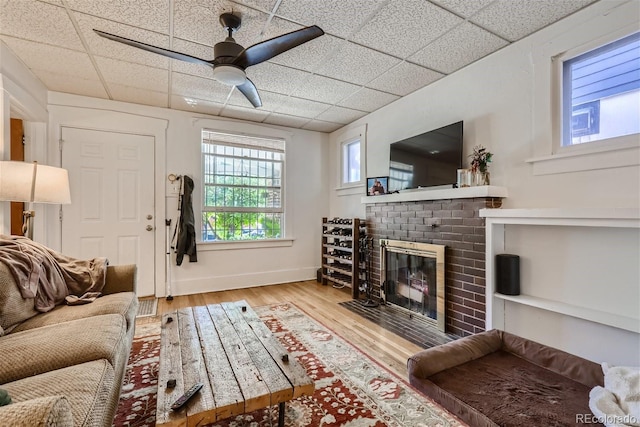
pixel 238 281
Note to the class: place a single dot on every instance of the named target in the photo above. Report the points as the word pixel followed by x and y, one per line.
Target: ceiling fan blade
pixel 249 90
pixel 165 52
pixel 267 49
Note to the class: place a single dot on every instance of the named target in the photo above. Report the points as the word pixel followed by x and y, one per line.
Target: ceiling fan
pixel 231 60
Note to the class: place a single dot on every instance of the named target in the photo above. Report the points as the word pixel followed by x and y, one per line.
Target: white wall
pixel 24 97
pixel 177 151
pixel 219 266
pixel 506 103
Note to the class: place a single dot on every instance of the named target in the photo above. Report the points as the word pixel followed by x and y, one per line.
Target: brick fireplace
pixel 454 223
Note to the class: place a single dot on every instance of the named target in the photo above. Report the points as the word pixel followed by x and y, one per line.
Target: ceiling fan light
pixel 229 75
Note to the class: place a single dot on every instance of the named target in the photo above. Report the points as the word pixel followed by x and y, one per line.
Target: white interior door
pixel 111 214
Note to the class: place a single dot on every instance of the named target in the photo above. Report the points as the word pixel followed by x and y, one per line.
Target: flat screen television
pixel 426 160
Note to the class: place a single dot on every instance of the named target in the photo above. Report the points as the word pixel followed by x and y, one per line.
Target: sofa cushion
pixel 13 308
pixel 50 411
pixel 65 344
pixel 123 303
pixel 89 388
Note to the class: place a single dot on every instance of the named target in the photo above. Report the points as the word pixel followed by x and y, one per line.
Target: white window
pixel 243 187
pixel 601 93
pixel 351 161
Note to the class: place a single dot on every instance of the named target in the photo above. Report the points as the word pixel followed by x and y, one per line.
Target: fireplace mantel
pixel 439 194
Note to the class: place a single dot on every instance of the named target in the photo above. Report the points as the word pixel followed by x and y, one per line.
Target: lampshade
pixel 229 75
pixel 31 182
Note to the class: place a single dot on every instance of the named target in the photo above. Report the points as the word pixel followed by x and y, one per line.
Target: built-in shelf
pixel 586 217
pixel 495 222
pixel 437 194
pixel 603 317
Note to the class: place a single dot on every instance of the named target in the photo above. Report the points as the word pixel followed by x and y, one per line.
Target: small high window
pixel 351 162
pixel 601 93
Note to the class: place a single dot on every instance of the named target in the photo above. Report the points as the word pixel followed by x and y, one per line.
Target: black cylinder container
pixel 508 274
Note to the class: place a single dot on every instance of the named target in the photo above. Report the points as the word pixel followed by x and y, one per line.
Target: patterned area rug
pixel 351 389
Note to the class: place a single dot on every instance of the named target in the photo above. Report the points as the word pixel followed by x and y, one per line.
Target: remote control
pixel 186 396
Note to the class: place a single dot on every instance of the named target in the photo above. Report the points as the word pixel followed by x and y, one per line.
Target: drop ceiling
pixel 373 51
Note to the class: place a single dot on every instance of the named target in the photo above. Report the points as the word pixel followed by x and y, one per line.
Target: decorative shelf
pixel 437 194
pixel 587 217
pixel 603 317
pixel 495 222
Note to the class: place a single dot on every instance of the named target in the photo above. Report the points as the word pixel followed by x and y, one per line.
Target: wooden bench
pixel 232 352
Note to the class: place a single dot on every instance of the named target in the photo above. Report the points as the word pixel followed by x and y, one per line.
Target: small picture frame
pixel 377 185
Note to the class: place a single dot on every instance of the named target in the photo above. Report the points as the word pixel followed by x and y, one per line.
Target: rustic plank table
pixel 232 352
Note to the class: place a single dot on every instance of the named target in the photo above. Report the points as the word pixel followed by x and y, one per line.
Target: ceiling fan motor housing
pixel 226 51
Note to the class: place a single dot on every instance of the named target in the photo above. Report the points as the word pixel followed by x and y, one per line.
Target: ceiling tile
pixel 78 86
pixel 403 27
pixel 275 78
pixel 368 100
pixel 336 17
pixel 149 14
pixel 199 88
pixel 306 56
pixel 301 107
pixel 285 120
pixel 242 113
pixel 514 19
pixel 41 22
pixel 53 59
pixel 320 126
pixel 404 79
pixel 195 105
pixel 458 48
pixel 193 49
pixel 465 8
pixel 270 101
pixel 324 89
pixel 138 96
pixel 340 115
pixel 263 5
pixel 199 22
pixel 357 64
pixel 133 75
pixel 111 49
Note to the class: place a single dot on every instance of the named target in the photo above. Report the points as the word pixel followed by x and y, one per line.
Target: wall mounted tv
pixel 426 160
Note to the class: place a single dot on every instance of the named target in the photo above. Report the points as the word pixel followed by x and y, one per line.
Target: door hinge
pixel 60 214
pixel 60 144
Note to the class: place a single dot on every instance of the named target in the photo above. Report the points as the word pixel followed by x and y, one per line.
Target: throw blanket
pixel 47 275
pixel 618 403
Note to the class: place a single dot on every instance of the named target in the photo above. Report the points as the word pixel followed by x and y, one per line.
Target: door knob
pixel 149 216
pixel 149 227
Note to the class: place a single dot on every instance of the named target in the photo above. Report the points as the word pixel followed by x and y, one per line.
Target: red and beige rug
pixel 352 390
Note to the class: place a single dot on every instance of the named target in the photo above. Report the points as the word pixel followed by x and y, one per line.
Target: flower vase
pixel 481 178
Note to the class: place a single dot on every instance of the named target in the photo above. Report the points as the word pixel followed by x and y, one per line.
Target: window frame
pixel 345 161
pixel 592 48
pixel 285 238
pixel 548 156
pixel 350 134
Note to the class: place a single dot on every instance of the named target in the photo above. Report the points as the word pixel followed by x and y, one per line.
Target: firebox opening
pixel 413 278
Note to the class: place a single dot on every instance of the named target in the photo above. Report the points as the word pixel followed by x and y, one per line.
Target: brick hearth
pixel 455 224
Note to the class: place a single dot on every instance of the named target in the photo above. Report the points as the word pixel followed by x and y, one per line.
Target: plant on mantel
pixel 480 160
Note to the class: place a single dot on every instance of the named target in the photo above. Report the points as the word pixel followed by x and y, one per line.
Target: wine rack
pixel 341 264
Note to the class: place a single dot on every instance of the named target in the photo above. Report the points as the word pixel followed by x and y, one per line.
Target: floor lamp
pixel 33 183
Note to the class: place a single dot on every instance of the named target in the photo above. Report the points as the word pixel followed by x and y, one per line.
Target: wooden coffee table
pixel 232 352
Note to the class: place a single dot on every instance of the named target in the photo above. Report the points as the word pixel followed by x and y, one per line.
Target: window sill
pixel 244 244
pixel 576 159
pixel 357 189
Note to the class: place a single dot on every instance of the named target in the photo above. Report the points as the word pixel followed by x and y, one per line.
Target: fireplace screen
pixel 413 277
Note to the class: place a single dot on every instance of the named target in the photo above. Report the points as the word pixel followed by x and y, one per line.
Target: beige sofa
pixel 65 367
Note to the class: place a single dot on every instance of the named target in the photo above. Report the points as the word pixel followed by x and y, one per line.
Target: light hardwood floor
pixel 321 303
